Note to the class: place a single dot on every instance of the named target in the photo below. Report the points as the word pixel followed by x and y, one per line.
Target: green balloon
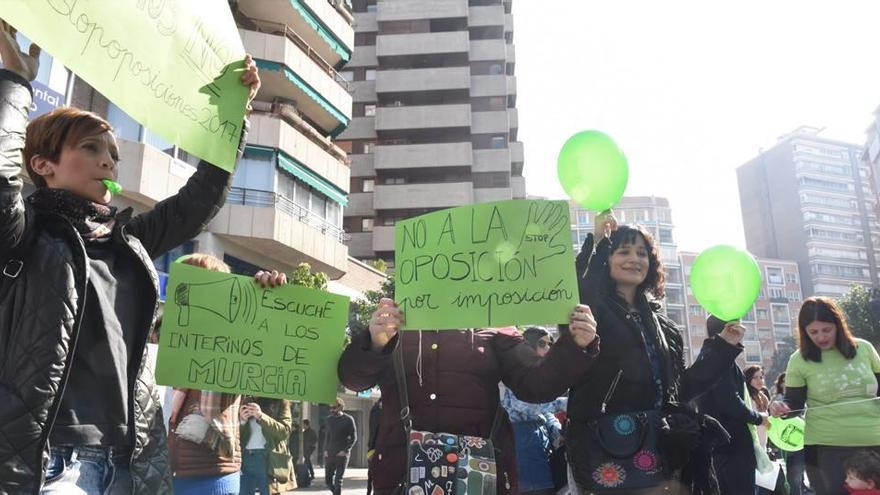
pixel 726 281
pixel 787 434
pixel 593 170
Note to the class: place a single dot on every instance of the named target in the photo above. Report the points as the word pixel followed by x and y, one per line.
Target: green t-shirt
pixel 837 380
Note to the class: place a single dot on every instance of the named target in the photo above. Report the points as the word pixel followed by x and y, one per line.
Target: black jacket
pixel 726 403
pixel 341 434
pixel 41 308
pixel 624 353
pixel 623 350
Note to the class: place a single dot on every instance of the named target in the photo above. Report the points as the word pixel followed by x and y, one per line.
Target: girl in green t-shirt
pixel 835 375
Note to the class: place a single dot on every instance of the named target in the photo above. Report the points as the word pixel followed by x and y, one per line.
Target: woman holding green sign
pixel 627 431
pixel 835 375
pixel 78 294
pixel 442 386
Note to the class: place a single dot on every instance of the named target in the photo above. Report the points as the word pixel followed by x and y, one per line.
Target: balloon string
pixel 832 405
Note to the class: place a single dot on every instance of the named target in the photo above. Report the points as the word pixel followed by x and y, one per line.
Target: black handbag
pixel 617 452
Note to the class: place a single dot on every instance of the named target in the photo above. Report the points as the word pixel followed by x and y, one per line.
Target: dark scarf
pixel 93 221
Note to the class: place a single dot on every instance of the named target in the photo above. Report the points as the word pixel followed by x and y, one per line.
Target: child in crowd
pixel 863 473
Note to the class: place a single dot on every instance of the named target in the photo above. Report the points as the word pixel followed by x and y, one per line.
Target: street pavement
pixel 355 483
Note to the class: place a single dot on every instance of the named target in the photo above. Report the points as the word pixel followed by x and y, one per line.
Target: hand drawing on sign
pixel 240 305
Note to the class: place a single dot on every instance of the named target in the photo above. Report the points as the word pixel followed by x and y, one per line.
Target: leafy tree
pixel 303 276
pixel 361 311
pixel 862 308
pixel 784 350
pixel 379 264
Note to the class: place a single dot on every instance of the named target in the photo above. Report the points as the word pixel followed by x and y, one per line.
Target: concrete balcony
pixel 516 152
pixel 365 22
pixel 492 194
pixel 488 50
pixel 518 184
pixel 361 245
pixel 302 61
pixel 278 228
pixel 497 85
pixel 490 15
pixel 492 160
pixel 443 195
pixel 511 54
pixel 404 10
pixel 383 238
pixel 362 165
pixel 315 21
pixel 150 175
pixel 396 45
pixel 271 131
pixel 423 117
pixel 490 122
pixel 433 79
pixel 423 155
pixel 360 205
pixel 364 91
pixel 364 56
pixel 360 128
pixel 513 118
pixel 339 25
pixel 508 23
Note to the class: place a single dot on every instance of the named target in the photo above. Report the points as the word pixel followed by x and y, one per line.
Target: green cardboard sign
pixel 224 332
pixel 174 66
pixel 486 265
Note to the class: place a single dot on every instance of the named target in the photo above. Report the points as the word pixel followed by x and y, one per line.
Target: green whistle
pixel 112 186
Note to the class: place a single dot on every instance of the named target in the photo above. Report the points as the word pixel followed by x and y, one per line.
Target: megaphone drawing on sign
pixel 228 298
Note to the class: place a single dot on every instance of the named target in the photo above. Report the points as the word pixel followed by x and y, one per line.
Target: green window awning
pixel 304 87
pixel 335 43
pixel 301 172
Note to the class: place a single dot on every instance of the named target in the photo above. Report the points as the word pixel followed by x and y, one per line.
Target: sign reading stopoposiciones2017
pixel 174 65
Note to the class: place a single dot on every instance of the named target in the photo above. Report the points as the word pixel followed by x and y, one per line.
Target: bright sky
pixel 690 90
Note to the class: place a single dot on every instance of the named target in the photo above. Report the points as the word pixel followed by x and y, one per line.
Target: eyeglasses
pixel 544 343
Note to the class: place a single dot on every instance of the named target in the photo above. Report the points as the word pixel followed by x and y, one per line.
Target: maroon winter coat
pixel 458 393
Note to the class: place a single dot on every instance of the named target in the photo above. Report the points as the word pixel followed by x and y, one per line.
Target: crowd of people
pixel 607 407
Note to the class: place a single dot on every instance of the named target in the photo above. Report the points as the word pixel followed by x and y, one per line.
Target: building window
pixel 348 75
pixel 774 276
pixel 781 332
pixel 698 330
pixel 794 296
pixel 666 236
pixel 491 179
pixel 763 314
pixel 676 315
pixel 368 147
pixel 369 110
pixel 791 277
pixel 499 142
pixel 370 75
pixel 751 334
pixel 753 352
pixel 776 292
pixel 780 314
pixel 366 225
pixel 394 180
pixel 673 296
pixel 369 185
pixel 696 310
pixel 750 316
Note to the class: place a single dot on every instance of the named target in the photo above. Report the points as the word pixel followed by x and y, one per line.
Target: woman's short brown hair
pixel 206 261
pixel 47 135
pixel 824 309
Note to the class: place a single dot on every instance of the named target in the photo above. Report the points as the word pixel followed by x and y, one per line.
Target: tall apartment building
pixel 655 215
pixel 288 192
pixel 810 199
pixel 871 155
pixel 434 123
pixel 771 320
